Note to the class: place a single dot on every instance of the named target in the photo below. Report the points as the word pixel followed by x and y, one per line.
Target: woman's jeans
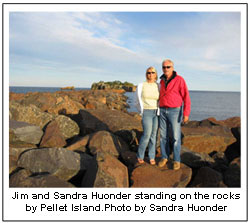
pixel 150 129
pixel 170 118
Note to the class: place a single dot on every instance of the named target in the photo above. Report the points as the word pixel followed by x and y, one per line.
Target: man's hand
pixel 185 119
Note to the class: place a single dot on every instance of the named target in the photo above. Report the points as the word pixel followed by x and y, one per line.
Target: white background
pixel 236 209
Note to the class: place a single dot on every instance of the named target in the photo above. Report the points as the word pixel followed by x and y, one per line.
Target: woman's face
pixel 151 75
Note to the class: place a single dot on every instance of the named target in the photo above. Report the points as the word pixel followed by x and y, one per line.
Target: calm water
pixel 204 104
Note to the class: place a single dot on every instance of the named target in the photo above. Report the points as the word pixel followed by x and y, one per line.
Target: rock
pixel 42 100
pixel 16 143
pixel 232 175
pixel 90 175
pixel 19 176
pixel 221 162
pixel 94 104
pixel 207 123
pixel 234 150
pixel 153 176
pixel 16 96
pixel 130 136
pixel 111 172
pixel 79 143
pixel 67 127
pixel 96 99
pixel 12 164
pixel 52 136
pixel 68 88
pixel 86 176
pixel 26 132
pixel 54 103
pixel 30 114
pixel 207 139
pixel 65 105
pixel 192 124
pixel 129 88
pixel 120 91
pixel 230 122
pixel 109 120
pixel 23 178
pixel 69 103
pixel 219 156
pixel 195 159
pixel 33 115
pixel 14 154
pixel 113 85
pixel 58 162
pixel 207 177
pixel 236 132
pixel 107 142
pixel 129 158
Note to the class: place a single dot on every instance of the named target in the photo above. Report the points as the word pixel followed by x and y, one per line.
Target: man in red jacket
pixel 173 95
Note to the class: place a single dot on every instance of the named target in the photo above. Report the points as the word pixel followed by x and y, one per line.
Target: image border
pixel 3 114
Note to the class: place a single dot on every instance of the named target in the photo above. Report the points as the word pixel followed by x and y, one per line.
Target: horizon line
pixel 90 88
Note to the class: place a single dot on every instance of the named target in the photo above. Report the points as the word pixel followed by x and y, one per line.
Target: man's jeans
pixel 150 129
pixel 170 118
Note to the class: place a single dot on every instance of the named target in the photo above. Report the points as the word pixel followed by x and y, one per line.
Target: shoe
pixel 177 165
pixel 152 162
pixel 162 163
pixel 140 161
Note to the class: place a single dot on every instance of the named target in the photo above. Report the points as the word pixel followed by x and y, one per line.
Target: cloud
pixel 213 67
pixel 49 31
pixel 116 46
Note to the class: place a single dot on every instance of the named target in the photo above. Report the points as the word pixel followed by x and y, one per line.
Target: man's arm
pixel 186 100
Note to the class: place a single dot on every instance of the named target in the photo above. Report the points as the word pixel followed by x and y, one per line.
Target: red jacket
pixel 175 94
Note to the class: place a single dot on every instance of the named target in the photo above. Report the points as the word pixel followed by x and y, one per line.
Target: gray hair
pixel 168 60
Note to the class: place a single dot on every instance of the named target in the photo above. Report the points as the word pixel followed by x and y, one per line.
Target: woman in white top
pixel 147 104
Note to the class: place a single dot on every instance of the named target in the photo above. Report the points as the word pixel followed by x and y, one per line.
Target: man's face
pixel 167 68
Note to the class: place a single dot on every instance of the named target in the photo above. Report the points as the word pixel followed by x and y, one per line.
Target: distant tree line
pixel 101 85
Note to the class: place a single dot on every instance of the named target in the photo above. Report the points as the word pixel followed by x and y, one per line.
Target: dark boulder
pixel 195 159
pixel 208 177
pixel 232 175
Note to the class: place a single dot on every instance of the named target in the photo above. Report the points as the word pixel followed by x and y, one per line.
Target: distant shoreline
pixel 88 88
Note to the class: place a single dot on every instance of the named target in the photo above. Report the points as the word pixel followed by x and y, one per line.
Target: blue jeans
pixel 150 129
pixel 170 118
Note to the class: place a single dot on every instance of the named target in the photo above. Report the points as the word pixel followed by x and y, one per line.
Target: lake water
pixel 204 104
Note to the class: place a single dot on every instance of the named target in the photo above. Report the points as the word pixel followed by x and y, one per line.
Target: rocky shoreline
pixel 88 139
pixel 126 86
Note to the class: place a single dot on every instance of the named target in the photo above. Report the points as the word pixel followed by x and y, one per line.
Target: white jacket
pixel 138 99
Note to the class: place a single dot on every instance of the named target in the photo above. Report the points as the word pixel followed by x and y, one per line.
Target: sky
pixel 58 49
